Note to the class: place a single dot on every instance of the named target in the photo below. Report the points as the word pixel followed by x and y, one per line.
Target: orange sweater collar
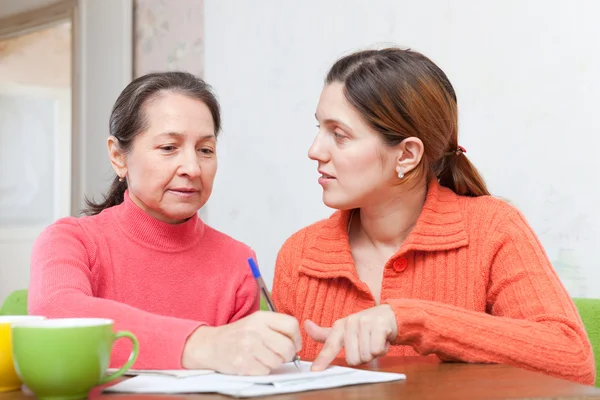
pixel 440 227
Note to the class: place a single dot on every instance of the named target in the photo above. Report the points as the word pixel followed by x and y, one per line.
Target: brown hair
pixel 127 119
pixel 400 94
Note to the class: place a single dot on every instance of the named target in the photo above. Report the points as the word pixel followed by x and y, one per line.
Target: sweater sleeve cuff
pixel 180 339
pixel 160 347
pixel 410 319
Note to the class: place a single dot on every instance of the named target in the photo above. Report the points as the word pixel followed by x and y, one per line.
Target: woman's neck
pixel 388 223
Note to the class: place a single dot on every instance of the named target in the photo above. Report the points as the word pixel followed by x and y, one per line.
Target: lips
pixel 184 190
pixel 326 176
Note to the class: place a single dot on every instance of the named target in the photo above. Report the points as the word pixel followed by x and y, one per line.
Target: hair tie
pixel 458 152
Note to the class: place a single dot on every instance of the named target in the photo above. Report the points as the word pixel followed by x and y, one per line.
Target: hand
pixel 254 345
pixel 365 336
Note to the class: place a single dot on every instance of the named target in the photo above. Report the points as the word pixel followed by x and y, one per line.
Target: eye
pixel 207 150
pixel 338 136
pixel 167 148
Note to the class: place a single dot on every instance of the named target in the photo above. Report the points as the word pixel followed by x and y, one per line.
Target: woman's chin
pixel 179 216
pixel 335 203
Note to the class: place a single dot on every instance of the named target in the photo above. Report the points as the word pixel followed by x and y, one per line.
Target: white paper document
pixel 286 379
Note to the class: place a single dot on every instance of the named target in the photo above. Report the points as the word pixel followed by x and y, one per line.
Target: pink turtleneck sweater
pixel 156 280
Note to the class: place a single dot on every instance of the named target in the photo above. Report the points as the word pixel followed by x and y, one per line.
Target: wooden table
pixel 426 378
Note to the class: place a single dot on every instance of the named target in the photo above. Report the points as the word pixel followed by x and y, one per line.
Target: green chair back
pixel 589 310
pixel 15 303
pixel 263 304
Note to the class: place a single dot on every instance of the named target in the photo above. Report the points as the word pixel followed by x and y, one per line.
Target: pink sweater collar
pixel 143 228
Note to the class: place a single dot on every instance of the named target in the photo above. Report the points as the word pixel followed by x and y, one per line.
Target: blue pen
pixel 267 296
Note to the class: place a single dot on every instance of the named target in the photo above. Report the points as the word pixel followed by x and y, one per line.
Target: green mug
pixel 63 359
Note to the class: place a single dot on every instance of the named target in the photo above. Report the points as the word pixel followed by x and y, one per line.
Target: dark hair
pixel 400 94
pixel 127 119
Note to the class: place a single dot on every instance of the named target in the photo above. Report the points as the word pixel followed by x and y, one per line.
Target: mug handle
pixel 133 356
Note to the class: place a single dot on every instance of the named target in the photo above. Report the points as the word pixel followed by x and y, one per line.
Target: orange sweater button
pixel 400 264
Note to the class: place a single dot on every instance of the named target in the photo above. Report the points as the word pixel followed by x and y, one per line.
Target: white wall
pixel 526 74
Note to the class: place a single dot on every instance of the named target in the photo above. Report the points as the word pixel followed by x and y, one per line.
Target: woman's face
pixel 356 168
pixel 172 164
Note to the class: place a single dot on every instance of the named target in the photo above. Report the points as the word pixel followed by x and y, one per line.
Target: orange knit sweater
pixel 470 283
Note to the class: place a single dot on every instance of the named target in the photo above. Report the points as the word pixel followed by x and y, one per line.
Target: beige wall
pixel 168 35
pixel 41 58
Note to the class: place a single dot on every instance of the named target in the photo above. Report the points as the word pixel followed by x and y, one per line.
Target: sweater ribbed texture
pixel 470 283
pixel 160 281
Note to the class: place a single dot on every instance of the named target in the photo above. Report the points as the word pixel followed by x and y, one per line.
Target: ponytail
pixel 457 173
pixel 114 196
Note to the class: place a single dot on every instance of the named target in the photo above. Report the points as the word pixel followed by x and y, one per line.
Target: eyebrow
pixel 335 121
pixel 181 135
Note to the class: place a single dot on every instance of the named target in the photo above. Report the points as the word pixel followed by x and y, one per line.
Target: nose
pixel 190 164
pixel 317 150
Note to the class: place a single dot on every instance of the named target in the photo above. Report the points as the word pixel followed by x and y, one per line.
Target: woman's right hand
pixel 254 345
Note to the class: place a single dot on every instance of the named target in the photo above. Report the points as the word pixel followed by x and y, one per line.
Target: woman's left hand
pixel 365 336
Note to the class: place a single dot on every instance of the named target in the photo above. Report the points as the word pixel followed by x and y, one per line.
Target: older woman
pixel 419 259
pixel 144 258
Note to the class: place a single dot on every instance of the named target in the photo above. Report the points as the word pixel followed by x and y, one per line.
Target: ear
pixel 410 153
pixel 117 159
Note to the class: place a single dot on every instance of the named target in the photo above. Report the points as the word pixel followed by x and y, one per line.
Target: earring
pixel 400 174
pixel 121 179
